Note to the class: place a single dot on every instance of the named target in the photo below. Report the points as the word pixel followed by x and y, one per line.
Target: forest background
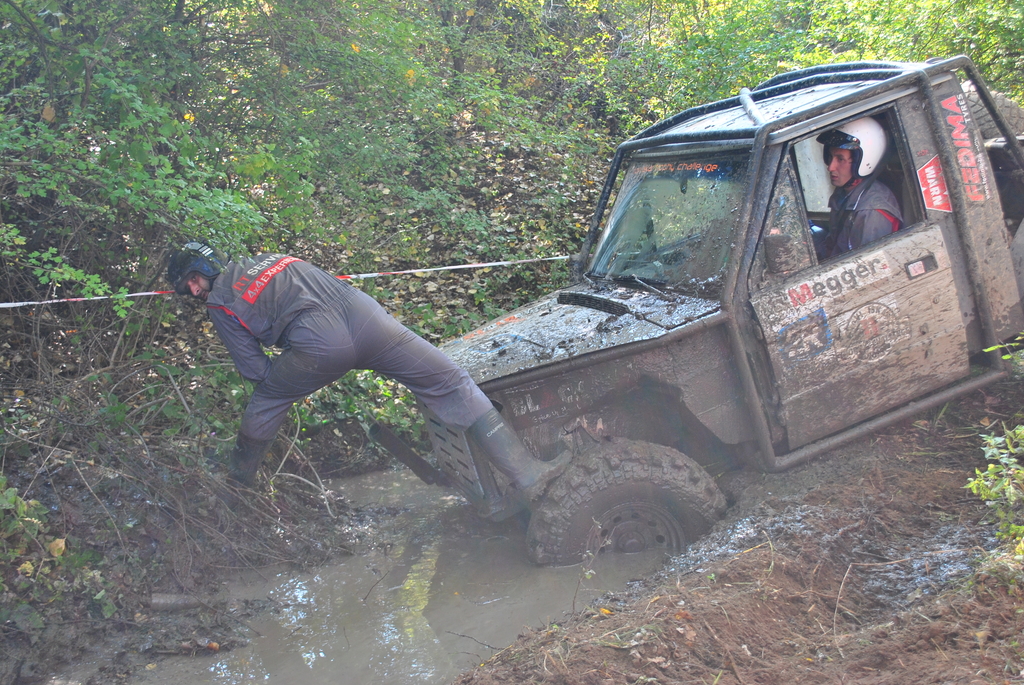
pixel 368 136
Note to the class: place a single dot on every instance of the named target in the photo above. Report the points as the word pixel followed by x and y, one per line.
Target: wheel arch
pixel 656 412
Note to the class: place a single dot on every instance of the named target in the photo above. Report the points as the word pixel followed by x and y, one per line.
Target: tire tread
pixel 619 463
pixel 1011 111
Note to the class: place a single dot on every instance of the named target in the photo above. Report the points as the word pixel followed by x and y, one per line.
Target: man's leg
pixel 307 365
pixel 265 413
pixel 384 345
pixel 449 392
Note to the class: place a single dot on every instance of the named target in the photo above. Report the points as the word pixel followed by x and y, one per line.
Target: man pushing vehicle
pixel 325 328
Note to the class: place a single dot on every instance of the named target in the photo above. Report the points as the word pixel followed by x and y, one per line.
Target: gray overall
pixel 326 328
pixel 859 215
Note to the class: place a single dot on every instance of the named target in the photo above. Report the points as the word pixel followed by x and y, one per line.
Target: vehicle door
pixel 858 334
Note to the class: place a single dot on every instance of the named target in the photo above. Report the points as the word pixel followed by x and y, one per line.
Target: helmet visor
pixel 181 287
pixel 840 139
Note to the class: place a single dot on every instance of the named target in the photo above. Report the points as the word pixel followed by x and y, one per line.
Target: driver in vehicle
pixel 862 209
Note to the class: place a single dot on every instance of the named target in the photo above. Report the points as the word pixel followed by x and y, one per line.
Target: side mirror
pixel 782 253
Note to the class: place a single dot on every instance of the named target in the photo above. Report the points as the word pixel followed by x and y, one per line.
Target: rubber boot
pixel 245 460
pixel 507 453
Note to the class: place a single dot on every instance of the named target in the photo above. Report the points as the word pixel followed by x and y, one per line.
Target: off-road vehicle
pixel 703 334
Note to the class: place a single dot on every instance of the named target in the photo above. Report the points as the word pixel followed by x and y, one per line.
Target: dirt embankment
pixel 866 567
pixel 863 567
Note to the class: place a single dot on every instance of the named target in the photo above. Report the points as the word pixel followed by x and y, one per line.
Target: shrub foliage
pixel 364 137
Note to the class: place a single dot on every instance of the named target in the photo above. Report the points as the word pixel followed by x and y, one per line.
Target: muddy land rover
pixel 703 335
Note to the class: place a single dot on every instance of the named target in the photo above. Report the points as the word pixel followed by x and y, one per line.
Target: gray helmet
pixel 194 257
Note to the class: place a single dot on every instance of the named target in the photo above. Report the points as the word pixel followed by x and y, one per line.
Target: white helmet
pixel 864 138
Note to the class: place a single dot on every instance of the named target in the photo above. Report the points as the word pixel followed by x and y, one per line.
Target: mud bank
pixel 859 568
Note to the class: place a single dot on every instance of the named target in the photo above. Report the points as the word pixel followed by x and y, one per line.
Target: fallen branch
pixel 470 637
pixel 376 584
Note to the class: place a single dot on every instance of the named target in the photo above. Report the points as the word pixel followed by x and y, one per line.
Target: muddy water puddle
pixel 431 592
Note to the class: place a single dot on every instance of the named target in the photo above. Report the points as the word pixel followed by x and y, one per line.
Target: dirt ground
pixel 866 567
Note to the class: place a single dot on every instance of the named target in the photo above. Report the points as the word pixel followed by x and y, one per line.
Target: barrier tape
pixel 9 305
pixel 478 265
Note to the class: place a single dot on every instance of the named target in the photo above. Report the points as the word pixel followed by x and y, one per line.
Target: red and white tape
pixel 8 305
pixel 478 265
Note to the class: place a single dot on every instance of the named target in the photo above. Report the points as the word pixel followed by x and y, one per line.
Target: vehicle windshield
pixel 673 223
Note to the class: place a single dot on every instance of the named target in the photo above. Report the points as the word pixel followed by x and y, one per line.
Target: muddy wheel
pixel 623 496
pixel 1011 111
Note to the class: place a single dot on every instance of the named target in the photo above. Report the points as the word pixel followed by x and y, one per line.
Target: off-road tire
pixel 1011 111
pixel 640 495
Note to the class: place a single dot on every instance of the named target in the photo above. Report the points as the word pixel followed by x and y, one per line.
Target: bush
pixel 1001 486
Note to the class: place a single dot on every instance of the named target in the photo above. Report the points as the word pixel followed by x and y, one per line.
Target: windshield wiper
pixel 633 278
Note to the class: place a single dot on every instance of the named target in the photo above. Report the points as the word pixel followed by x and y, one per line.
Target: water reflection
pixel 445 593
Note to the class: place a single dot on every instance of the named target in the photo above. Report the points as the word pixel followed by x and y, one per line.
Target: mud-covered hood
pixel 570 323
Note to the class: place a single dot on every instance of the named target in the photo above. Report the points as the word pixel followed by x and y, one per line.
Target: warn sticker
pixel 253 284
pixel 933 186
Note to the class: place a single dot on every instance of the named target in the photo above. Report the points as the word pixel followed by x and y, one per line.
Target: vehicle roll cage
pixel 887 76
pixel 881 79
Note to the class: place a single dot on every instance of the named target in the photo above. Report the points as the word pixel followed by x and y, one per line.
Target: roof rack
pixel 841 67
pixel 789 82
